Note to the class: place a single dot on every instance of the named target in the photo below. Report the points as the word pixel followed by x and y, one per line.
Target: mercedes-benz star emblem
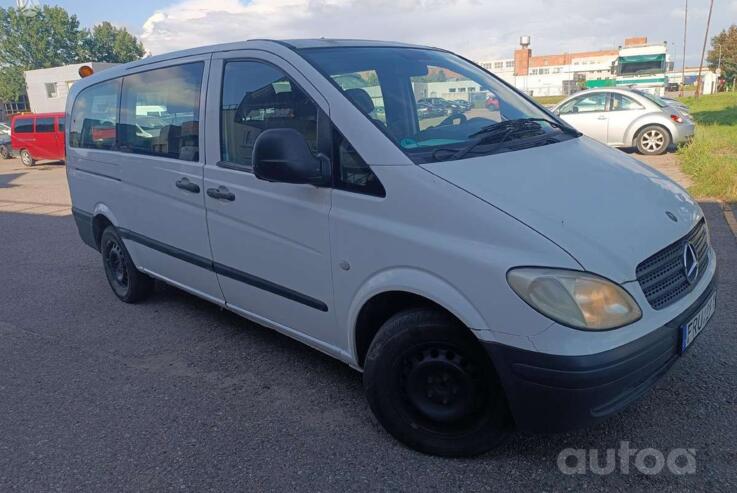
pixel 690 263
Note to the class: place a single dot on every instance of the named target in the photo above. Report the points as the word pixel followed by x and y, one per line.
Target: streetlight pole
pixel 685 30
pixel 699 83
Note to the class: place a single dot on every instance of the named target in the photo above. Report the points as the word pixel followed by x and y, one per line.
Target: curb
pixel 729 217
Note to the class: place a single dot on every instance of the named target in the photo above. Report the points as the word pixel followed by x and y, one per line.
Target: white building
pixel 710 79
pixel 450 89
pixel 47 88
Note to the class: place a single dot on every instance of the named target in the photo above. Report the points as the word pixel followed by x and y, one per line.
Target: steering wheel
pixel 450 119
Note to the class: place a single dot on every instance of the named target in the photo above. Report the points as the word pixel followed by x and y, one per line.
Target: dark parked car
pixel 427 110
pixel 6 149
pixel 450 107
pixel 463 104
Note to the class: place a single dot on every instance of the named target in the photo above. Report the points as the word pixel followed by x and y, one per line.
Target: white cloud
pixel 479 29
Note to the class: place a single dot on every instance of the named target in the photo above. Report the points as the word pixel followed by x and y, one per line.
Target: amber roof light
pixel 85 71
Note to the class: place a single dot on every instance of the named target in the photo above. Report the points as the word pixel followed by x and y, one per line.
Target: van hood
pixel 606 209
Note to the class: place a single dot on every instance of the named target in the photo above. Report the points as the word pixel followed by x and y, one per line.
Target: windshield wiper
pixel 522 121
pixel 488 135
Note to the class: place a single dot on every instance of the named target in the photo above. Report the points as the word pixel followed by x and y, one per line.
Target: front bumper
pixel 550 393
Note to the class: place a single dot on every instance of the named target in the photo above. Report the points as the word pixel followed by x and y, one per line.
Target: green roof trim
pixel 600 83
pixel 642 58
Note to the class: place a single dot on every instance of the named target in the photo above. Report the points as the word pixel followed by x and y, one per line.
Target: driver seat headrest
pixel 361 99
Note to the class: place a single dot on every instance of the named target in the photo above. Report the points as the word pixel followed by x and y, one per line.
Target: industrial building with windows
pixel 636 64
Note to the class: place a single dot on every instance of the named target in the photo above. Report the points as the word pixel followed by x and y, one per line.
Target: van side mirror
pixel 282 155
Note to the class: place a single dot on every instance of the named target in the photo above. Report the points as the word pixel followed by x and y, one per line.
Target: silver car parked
pixel 626 118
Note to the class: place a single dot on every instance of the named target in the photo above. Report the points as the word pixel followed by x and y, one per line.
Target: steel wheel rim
pixel 653 140
pixel 116 264
pixel 441 388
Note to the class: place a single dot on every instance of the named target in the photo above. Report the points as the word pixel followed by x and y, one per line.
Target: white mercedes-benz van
pixel 486 267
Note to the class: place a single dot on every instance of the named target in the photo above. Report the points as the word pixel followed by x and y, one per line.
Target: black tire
pixel 432 386
pixel 4 152
pixel 126 281
pixel 653 140
pixel 26 158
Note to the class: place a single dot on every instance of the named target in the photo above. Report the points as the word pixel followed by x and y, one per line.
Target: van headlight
pixel 574 298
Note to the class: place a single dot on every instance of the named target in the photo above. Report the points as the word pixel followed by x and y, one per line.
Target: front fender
pixel 421 283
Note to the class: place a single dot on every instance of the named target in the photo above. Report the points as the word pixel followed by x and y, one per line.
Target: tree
pixel 12 84
pixel 50 37
pixel 727 40
pixel 107 43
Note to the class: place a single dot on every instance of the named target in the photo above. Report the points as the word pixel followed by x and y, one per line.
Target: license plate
pixel 693 327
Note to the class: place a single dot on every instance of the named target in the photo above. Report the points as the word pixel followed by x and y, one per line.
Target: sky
pixel 478 29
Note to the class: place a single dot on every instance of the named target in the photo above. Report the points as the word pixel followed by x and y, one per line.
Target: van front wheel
pixel 26 158
pixel 432 386
pixel 127 282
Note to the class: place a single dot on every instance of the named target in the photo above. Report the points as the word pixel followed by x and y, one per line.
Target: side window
pixel 353 174
pixel 623 103
pixel 94 116
pixel 586 104
pixel 45 125
pixel 23 125
pixel 60 123
pixel 160 111
pixel 256 97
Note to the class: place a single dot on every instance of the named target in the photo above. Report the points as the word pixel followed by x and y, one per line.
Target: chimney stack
pixel 522 56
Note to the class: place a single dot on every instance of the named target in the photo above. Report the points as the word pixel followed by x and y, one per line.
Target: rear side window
pixel 94 116
pixel 61 124
pixel 623 103
pixel 160 112
pixel 23 125
pixel 44 125
pixel 256 97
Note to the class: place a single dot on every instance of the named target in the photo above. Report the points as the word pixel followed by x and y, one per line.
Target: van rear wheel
pixel 432 386
pixel 127 282
pixel 26 158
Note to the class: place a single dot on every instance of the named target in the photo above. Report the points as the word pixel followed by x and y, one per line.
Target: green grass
pixel 711 159
pixel 548 100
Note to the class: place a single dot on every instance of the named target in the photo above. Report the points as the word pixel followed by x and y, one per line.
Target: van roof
pixel 295 44
pixel 269 45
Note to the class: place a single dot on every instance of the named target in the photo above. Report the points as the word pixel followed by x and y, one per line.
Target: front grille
pixel 662 277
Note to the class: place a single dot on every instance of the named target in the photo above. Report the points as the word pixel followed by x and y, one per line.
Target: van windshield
pixel 435 105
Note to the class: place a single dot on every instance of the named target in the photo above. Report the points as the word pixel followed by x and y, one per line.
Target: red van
pixel 38 136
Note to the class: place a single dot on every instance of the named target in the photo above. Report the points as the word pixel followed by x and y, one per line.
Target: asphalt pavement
pixel 176 394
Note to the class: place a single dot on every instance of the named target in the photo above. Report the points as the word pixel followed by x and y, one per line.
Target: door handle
pixel 221 193
pixel 187 185
pixel 601 118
